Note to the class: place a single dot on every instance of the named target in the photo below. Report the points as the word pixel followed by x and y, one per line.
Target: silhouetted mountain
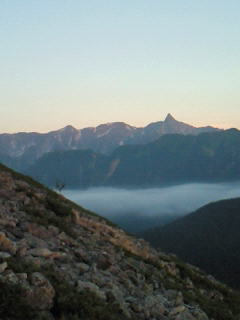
pixel 25 148
pixel 178 158
pixel 208 157
pixel 208 238
pixel 73 168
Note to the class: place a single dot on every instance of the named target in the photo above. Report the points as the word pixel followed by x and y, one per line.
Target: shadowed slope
pixel 208 238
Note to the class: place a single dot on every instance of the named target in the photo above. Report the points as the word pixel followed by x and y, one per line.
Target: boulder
pixel 46 253
pixel 3 266
pixel 86 285
pixel 4 255
pixel 6 244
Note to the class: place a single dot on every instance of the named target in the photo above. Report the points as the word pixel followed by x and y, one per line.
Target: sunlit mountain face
pixel 103 138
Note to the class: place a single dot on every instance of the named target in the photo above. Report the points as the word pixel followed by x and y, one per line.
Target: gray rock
pixel 22 276
pixel 4 255
pixel 177 310
pixel 83 267
pixel 34 242
pixel 3 267
pixel 40 252
pixel 155 304
pixel 6 244
pixel 10 277
pixel 115 296
pixel 175 296
pixel 186 315
pixel 46 253
pixel 86 285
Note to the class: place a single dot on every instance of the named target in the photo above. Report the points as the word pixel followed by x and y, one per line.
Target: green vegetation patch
pixel 12 304
pixel 46 219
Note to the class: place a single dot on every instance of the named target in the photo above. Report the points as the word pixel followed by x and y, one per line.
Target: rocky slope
pixel 59 261
pixel 21 149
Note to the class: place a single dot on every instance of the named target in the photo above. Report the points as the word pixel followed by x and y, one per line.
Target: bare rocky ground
pixel 60 261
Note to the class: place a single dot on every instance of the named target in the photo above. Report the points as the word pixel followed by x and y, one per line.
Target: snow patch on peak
pixel 100 135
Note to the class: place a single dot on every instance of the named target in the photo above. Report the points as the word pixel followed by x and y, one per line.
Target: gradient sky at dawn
pixel 90 62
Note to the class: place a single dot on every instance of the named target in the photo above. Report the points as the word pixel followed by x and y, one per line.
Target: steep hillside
pixel 179 158
pixel 208 157
pixel 59 261
pixel 208 238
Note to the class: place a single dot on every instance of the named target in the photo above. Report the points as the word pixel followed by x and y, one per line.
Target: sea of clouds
pixel 139 209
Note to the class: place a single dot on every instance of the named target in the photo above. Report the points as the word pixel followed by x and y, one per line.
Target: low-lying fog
pixel 137 210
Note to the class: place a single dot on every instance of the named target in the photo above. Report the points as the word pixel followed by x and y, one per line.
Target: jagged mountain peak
pixel 169 117
pixel 104 138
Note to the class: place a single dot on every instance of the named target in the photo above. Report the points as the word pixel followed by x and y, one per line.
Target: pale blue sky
pixel 89 62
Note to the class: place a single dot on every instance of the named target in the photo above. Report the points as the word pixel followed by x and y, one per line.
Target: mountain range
pixel 22 149
pixel 59 261
pixel 175 158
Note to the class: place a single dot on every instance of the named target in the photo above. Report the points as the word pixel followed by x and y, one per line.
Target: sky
pixel 89 62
